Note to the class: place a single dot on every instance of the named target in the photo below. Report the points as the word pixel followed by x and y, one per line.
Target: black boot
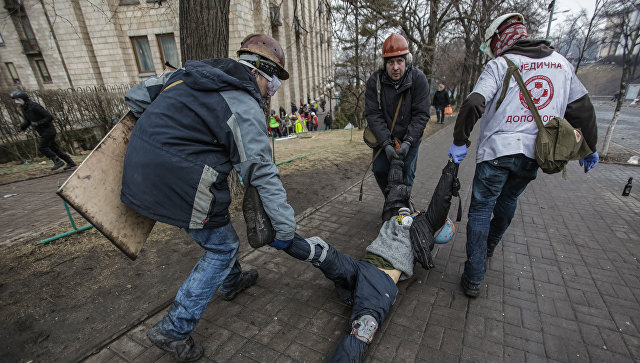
pixel 248 279
pixel 57 163
pixel 70 165
pixel 67 159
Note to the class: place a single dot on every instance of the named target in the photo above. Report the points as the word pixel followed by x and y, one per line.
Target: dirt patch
pixel 62 300
pixel 40 167
pixel 618 154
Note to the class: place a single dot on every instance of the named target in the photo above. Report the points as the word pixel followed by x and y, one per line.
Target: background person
pixel 328 121
pixel 397 78
pixel 35 115
pixel 440 101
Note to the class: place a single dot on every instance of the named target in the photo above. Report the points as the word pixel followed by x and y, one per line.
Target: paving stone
pixel 104 356
pixel 614 342
pixel 127 348
pixel 300 353
pixel 591 335
pixel 513 355
pixel 259 352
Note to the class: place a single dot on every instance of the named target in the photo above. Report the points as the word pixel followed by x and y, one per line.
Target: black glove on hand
pixel 404 149
pixel 391 152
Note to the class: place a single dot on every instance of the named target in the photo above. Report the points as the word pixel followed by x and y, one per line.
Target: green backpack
pixel 557 141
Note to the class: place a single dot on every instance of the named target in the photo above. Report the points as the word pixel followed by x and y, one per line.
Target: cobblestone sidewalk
pixel 563 285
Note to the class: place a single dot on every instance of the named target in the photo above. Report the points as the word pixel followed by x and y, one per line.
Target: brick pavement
pixel 563 285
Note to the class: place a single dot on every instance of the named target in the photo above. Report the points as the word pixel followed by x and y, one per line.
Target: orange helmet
pixel 394 46
pixel 266 46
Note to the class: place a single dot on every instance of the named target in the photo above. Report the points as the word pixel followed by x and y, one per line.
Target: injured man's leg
pixel 368 285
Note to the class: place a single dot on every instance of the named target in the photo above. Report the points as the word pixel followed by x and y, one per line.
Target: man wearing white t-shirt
pixel 505 161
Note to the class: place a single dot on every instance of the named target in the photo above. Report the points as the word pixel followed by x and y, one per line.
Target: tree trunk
pixel 204 29
pixel 616 113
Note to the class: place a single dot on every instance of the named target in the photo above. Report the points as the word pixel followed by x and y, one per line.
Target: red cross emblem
pixel 541 93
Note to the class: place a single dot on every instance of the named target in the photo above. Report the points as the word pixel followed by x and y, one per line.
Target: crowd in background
pixel 301 119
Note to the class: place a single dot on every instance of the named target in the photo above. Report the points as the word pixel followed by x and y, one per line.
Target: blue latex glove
pixel 391 152
pixel 404 149
pixel 279 244
pixel 457 153
pixel 590 161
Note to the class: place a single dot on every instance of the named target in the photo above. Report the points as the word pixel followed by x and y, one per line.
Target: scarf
pixel 507 36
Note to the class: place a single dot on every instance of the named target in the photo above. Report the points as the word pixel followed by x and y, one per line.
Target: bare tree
pixel 356 32
pixel 204 29
pixel 625 14
pixel 592 25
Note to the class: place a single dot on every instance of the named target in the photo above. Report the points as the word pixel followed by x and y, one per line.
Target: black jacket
pixel 381 101
pixel 441 98
pixel 36 116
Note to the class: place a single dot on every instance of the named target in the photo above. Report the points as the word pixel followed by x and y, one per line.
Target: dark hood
pixel 532 48
pixel 221 74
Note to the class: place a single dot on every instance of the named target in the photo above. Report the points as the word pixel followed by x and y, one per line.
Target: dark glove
pixel 279 244
pixel 404 149
pixel 391 152
pixel 590 161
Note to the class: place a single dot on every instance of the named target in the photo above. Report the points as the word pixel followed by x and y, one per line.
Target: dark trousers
pixel 440 114
pixel 367 288
pixel 381 167
pixel 49 148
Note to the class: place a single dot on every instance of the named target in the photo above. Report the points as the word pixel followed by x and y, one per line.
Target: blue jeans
pixel 217 268
pixel 496 186
pixel 381 167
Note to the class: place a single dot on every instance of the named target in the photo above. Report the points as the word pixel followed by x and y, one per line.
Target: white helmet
pixel 493 30
pixel 313 113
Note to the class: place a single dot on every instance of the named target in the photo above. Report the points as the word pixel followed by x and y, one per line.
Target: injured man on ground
pixel 369 285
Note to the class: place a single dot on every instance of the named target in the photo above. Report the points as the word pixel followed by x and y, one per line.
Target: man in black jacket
pixel 36 116
pixel 397 85
pixel 440 101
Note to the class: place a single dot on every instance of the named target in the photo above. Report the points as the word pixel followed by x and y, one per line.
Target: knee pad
pixel 317 255
pixel 364 328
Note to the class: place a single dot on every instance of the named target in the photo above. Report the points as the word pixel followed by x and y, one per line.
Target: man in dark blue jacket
pixel 199 122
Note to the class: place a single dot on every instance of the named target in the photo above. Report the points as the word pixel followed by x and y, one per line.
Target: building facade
pixel 61 44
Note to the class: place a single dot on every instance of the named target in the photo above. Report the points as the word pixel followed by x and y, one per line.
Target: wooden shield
pixel 94 191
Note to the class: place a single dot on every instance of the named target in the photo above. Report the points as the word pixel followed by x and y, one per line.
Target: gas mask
pixel 19 101
pixel 273 82
pixel 273 85
pixel 484 48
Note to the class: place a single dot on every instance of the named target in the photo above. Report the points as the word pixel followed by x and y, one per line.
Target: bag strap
pixel 513 70
pixel 393 124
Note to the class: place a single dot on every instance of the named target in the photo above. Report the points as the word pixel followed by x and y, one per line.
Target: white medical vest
pixel 511 129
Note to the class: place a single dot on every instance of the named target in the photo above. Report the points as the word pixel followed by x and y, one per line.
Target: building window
pixel 142 51
pixel 168 49
pixel 13 73
pixel 44 72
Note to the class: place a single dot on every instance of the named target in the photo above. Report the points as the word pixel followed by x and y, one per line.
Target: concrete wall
pixel 93 41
